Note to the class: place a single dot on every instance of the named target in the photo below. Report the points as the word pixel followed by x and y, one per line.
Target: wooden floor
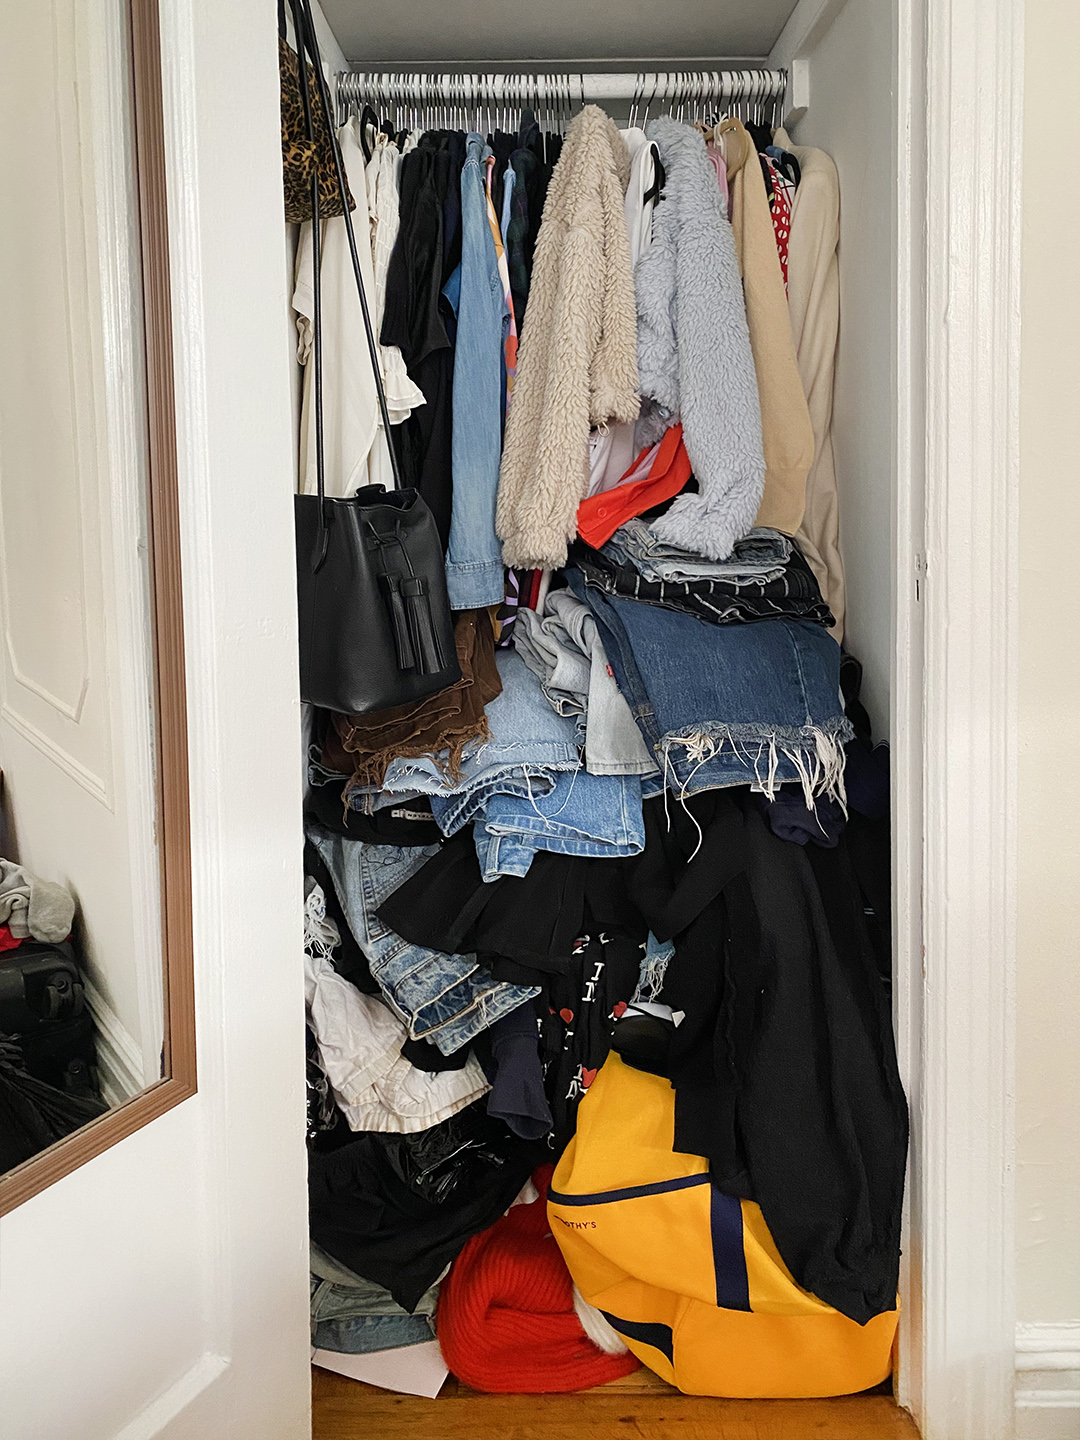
pixel 640 1407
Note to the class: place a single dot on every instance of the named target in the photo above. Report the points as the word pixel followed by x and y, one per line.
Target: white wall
pixel 851 117
pixel 1048 978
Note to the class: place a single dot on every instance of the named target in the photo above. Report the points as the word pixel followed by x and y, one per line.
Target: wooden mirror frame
pixel 170 695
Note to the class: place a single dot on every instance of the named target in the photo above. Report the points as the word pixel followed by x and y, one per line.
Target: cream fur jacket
pixel 577 363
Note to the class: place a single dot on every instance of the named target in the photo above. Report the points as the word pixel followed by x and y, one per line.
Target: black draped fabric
pixel 784 1067
pixel 533 920
pixel 502 147
pixel 397 1209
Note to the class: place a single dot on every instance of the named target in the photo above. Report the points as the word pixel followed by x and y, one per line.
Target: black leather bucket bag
pixel 375 623
pixel 375 631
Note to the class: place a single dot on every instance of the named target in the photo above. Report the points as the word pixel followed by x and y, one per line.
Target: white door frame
pixel 959 91
pixel 960 122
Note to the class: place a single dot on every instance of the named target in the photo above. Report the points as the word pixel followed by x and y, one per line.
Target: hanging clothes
pixel 351 420
pixel 715 156
pixel 516 234
pixel 814 304
pixel 781 197
pixel 418 320
pixel 577 364
pixel 787 435
pixel 611 449
pixel 474 574
pixel 694 350
pixel 498 233
pixel 402 395
pixel 658 474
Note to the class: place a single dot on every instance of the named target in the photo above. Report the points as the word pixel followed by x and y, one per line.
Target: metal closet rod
pixel 402 86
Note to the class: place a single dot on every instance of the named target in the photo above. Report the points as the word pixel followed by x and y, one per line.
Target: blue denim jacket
pixel 447 999
pixel 474 572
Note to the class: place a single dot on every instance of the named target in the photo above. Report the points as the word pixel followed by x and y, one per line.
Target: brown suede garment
pixel 364 745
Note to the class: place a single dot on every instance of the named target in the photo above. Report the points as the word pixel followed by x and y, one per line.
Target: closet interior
pixel 594 551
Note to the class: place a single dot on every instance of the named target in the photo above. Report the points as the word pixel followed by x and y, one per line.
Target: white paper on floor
pixel 412 1370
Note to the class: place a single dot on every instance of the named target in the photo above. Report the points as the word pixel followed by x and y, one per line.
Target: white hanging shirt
pixel 351 420
pixel 638 210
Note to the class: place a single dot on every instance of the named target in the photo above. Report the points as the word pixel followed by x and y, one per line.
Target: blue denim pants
pixel 359 1320
pixel 727 705
pixel 592 815
pixel 447 999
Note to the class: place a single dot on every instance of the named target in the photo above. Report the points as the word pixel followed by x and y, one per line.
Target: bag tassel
pixel 406 655
pixel 421 626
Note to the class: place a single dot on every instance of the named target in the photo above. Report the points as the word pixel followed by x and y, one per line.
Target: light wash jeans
pixel 474 571
pixel 359 1320
pixel 448 999
pixel 563 649
pixel 529 745
pixel 591 815
pixel 760 556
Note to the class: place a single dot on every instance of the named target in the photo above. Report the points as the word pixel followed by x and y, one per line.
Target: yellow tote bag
pixel 688 1276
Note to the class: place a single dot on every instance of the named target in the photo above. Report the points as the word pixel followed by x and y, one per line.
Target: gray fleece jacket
pixel 694 355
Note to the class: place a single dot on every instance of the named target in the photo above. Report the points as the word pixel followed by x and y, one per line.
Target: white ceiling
pixel 386 31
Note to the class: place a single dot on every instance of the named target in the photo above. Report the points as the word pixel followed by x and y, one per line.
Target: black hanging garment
pixel 418 318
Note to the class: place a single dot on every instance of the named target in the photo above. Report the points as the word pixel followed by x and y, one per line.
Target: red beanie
pixel 506 1320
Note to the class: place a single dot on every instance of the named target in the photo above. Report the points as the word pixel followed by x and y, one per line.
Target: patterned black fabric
pixel 794 596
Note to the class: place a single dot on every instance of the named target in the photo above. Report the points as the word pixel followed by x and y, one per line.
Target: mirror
pixel 96 1016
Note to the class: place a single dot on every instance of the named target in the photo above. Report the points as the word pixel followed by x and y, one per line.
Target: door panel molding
pixel 93 784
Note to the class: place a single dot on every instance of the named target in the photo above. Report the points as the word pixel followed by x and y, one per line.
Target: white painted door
pixel 160 1290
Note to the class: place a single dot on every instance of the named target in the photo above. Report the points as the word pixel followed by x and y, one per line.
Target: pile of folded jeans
pixel 722 705
pixel 524 788
pixel 726 593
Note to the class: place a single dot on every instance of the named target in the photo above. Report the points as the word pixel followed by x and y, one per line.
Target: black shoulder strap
pixel 307 45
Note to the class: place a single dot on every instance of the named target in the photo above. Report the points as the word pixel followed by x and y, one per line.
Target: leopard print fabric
pixel 298 153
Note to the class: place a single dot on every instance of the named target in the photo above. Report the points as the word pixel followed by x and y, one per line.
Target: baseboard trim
pixel 119 1058
pixel 1047 1395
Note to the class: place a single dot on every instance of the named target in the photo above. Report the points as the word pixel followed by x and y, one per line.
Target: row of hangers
pixel 429 101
